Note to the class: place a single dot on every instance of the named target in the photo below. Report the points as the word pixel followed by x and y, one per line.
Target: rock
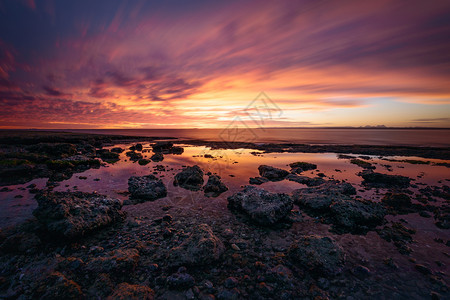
pixel 138 147
pixel 117 150
pixel 162 146
pixel 361 272
pixel 202 247
pixel 361 163
pixel 423 269
pixel 157 157
pixel 74 214
pixel 272 173
pixel 318 255
pixel 442 217
pixel 214 187
pixel 146 187
pixel 299 167
pixel 356 215
pixel 320 198
pixel 263 207
pixel 374 179
pixel 230 282
pixel 399 234
pixel 177 150
pixel 108 156
pixel 180 281
pixel 258 180
pixel 190 178
pixel 144 161
pixel 133 155
pixel 396 200
pixel 125 291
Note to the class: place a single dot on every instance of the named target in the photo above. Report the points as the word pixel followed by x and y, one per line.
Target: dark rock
pixel 396 200
pixel 117 150
pixel 361 272
pixel 263 207
pixel 230 282
pixel 214 187
pixel 258 180
pixel 109 156
pixel 162 146
pixel 144 162
pixel 299 167
pixel 442 217
pixel 423 269
pixel 362 164
pixel 356 215
pixel 202 247
pixel 134 156
pixel 138 147
pixel 374 179
pixel 132 291
pixel 190 178
pixel 320 198
pixel 74 214
pixel 180 281
pixel 177 150
pixel 318 255
pixel 157 157
pixel 399 234
pixel 146 187
pixel 272 173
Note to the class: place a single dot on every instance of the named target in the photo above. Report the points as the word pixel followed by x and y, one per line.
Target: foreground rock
pixel 261 206
pixel 356 215
pixel 272 173
pixel 190 178
pixel 214 187
pixel 374 179
pixel 202 247
pixel 332 201
pixel 320 256
pixel 75 214
pixel 146 188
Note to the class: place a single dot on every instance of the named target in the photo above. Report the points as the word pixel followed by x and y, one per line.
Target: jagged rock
pixel 318 255
pixel 320 197
pixel 190 178
pixel 214 187
pixel 74 214
pixel 356 215
pixel 134 156
pixel 146 187
pixel 202 247
pixel 57 286
pixel 272 173
pixel 157 157
pixel 120 262
pixel 263 207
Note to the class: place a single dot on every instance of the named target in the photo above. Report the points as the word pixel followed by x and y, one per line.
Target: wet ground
pixel 397 279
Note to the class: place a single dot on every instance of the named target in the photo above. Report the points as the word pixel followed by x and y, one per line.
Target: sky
pixel 205 64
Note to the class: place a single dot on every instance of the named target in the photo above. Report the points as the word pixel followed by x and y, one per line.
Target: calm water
pixel 406 137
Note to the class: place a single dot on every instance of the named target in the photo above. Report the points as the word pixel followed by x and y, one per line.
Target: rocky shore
pixel 243 238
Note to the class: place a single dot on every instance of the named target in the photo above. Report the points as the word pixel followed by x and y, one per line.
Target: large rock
pixel 356 215
pixel 320 198
pixel 263 207
pixel 146 187
pixel 190 178
pixel 202 247
pixel 272 173
pixel 214 187
pixel 74 214
pixel 306 180
pixel 318 255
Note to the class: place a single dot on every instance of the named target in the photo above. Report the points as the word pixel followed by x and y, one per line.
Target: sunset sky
pixel 182 64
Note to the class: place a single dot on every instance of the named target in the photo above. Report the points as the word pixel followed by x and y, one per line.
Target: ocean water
pixel 347 136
